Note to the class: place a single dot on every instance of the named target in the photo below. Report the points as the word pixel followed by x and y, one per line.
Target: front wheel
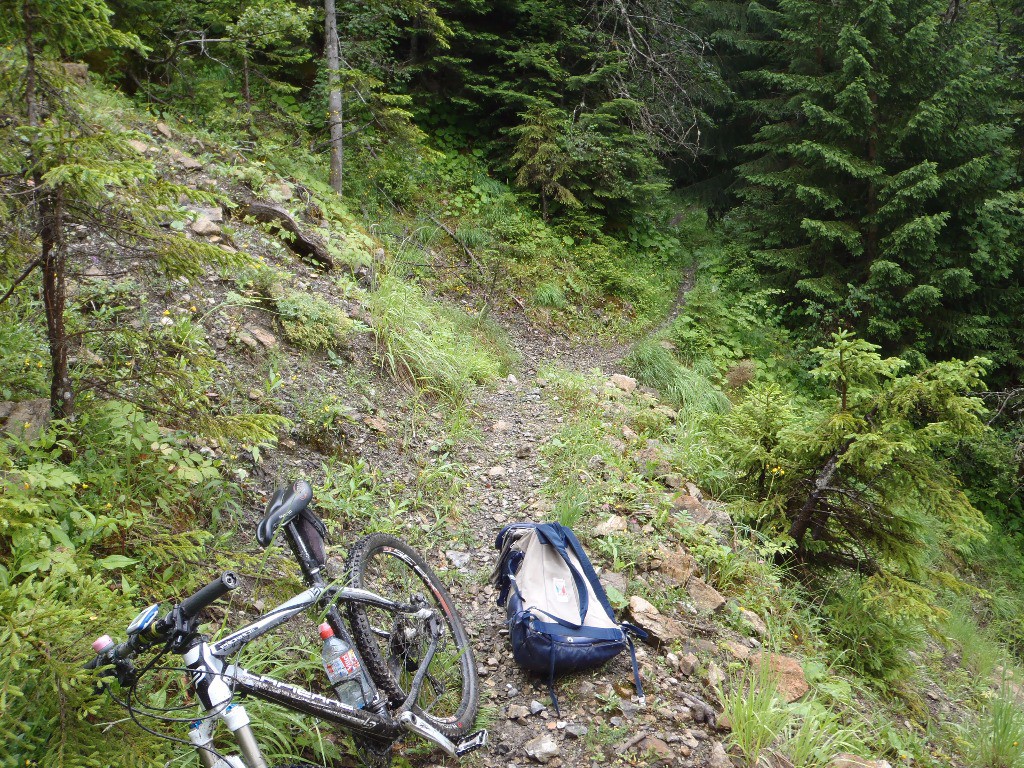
pixel 392 644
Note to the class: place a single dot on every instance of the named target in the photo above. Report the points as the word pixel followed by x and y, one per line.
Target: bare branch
pixel 20 279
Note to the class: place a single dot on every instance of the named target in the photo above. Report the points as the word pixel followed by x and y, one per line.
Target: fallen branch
pixel 304 242
pixel 469 253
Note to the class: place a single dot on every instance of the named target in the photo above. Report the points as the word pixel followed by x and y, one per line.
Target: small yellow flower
pixel 167 312
pixel 28 424
pixel 85 485
pixel 39 364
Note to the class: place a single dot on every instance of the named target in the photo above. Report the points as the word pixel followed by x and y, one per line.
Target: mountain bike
pixel 403 622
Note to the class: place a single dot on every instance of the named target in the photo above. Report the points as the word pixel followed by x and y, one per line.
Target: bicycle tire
pixel 386 565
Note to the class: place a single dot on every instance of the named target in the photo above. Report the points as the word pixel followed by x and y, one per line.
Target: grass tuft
pixel 439 351
pixel 691 388
pixel 755 713
pixel 998 734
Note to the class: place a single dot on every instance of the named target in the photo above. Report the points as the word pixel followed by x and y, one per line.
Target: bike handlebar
pixel 120 655
pixel 213 591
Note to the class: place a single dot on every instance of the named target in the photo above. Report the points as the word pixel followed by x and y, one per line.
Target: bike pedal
pixel 471 743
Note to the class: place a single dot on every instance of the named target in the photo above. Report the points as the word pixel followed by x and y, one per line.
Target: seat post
pixel 312 572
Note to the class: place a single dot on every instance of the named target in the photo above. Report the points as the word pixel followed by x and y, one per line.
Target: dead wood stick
pixel 304 242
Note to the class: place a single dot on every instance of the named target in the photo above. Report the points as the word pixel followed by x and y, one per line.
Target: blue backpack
pixel 558 614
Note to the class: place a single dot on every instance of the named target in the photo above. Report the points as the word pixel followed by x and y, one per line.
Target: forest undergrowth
pixel 871 492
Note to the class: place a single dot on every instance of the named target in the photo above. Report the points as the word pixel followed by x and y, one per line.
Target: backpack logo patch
pixel 561 593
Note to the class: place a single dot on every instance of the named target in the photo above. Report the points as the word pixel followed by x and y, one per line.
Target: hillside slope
pixel 421 395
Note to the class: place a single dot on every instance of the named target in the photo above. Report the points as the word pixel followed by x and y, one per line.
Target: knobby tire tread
pixel 364 637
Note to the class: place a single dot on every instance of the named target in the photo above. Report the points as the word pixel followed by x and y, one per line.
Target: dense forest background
pixel 802 221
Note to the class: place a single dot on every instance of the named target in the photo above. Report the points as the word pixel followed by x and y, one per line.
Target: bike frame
pixel 216 681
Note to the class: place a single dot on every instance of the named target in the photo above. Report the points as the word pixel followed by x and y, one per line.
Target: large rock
pixel 651 462
pixel 663 754
pixel 846 760
pixel 661 629
pixel 704 596
pixel 262 335
pixel 786 671
pixel 187 162
pixel 699 513
pixel 203 226
pixel 719 757
pixel 754 621
pixel 677 565
pixel 26 419
pixel 213 213
pixel 542 748
pixel 614 524
pixel 625 383
pixel 77 72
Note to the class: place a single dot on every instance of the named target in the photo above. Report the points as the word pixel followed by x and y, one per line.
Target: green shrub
pixel 866 637
pixel 311 322
pixel 84 543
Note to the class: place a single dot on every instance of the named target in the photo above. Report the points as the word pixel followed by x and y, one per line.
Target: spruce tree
pixel 861 478
pixel 880 195
pixel 65 166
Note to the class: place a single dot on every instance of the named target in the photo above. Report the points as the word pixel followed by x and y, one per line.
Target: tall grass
pixel 998 734
pixel 756 715
pixel 420 343
pixel 691 388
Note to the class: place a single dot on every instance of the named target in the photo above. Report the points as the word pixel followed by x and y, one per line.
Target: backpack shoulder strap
pixel 588 570
pixel 552 535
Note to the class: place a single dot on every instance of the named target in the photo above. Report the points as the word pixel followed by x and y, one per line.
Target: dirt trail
pixel 506 475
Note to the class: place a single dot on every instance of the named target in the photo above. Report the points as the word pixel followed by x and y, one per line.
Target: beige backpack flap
pixel 545 582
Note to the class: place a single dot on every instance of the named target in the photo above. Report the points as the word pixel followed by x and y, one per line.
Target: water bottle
pixel 343 669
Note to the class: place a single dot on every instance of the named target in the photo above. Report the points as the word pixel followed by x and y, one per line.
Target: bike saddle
pixel 285 506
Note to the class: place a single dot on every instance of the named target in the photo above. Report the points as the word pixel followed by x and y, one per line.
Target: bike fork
pixel 237 721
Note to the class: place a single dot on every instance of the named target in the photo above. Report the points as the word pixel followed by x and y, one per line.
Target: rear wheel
pixel 392 645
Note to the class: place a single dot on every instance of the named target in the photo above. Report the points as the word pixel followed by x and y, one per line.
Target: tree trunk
pixel 246 92
pixel 335 116
pixel 805 515
pixel 50 214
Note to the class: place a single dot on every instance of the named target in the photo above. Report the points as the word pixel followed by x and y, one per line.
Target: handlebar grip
pixel 213 591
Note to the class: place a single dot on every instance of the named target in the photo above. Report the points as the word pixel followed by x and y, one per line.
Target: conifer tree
pixel 862 480
pixel 880 193
pixel 64 167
